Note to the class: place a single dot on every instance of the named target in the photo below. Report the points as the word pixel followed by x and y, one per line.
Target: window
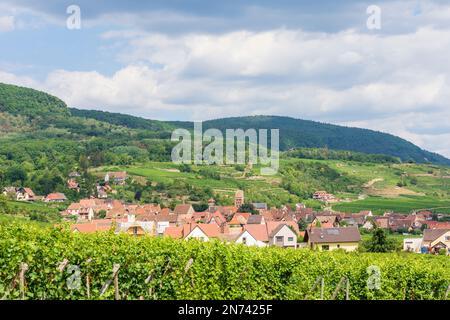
pixel 290 239
pixel 244 240
pixel 447 238
pixel 279 239
pixel 325 247
pixel 338 246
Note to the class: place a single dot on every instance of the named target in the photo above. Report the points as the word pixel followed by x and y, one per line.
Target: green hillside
pixel 295 133
pixel 41 141
pixel 26 110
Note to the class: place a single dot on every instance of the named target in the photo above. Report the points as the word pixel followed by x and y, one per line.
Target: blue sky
pixel 195 60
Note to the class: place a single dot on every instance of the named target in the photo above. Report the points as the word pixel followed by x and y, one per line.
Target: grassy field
pixel 8 218
pixel 423 186
pixel 398 237
pixel 37 207
pixel 403 204
pixel 257 188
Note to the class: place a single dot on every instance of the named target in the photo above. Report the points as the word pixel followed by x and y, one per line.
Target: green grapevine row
pixel 161 268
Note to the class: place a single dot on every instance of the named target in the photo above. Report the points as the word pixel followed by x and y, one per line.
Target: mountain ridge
pixel 49 111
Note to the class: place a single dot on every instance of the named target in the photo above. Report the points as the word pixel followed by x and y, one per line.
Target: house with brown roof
pixel 327 239
pixel 72 184
pixel 118 177
pixel 185 209
pixel 55 197
pixel 238 221
pixel 25 194
pixel 324 196
pixel 436 239
pixel 9 191
pixel 256 219
pixel 324 221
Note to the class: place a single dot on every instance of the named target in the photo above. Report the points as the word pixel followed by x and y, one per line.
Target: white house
pixel 202 231
pixel 283 236
pixel 412 244
pixel 254 235
pixel 161 227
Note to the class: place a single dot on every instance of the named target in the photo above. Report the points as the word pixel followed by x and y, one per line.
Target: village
pixel 286 227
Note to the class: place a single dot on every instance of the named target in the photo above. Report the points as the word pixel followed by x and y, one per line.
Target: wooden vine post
pixel 338 288
pixel 116 282
pixel 88 282
pixel 115 278
pixel 23 270
pixel 313 288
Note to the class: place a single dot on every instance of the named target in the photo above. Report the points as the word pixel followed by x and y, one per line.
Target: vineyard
pixel 52 263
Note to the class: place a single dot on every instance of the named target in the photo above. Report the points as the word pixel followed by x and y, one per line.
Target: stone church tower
pixel 239 198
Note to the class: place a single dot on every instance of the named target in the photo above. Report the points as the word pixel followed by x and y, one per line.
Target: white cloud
pixel 7 23
pixel 393 83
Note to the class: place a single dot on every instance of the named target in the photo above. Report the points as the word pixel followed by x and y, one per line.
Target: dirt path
pixel 372 182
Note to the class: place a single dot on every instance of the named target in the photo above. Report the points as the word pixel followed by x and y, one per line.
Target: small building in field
pixel 25 194
pixel 118 177
pixel 72 184
pixel 55 197
pixel 9 191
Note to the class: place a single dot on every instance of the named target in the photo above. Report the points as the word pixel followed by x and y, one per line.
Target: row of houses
pixel 280 227
pixel 26 194
pixel 433 241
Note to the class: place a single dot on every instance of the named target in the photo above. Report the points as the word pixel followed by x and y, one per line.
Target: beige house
pixel 436 239
pixel 328 239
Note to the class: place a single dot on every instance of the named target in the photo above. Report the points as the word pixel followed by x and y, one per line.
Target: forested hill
pixel 296 133
pixel 38 115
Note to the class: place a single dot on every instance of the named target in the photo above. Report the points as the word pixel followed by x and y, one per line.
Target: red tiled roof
pixel 174 232
pixel 239 218
pixel 258 231
pixel 182 208
pixel 29 191
pixel 437 225
pixel 56 196
pixel 118 175
pixel 211 230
